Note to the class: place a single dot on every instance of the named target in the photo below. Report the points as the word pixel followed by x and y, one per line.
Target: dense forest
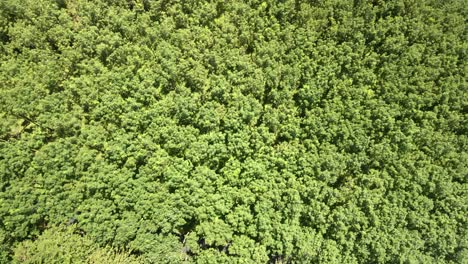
pixel 223 131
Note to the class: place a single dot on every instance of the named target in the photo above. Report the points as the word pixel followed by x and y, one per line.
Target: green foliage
pixel 233 131
pixel 65 245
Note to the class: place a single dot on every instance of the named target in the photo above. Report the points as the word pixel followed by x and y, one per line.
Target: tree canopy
pixel 169 131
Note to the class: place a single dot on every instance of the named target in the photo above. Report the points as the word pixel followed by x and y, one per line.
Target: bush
pixel 63 245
